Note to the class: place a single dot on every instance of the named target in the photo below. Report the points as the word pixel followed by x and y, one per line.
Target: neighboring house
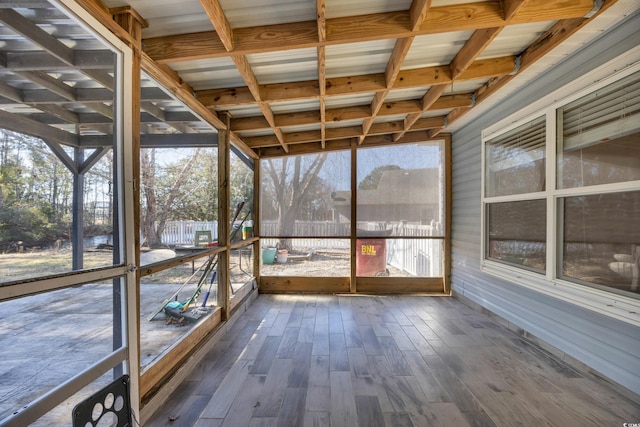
pixel 401 196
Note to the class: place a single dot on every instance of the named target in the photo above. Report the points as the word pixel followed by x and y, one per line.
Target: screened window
pixel 400 211
pixel 306 195
pixel 400 191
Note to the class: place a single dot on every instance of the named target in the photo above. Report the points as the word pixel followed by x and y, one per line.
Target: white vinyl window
pixel 561 194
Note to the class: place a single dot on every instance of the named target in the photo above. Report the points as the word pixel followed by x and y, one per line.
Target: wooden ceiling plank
pixel 243 66
pixel 10 92
pixel 396 60
pixel 100 108
pixel 486 68
pixel 430 98
pixel 233 97
pixel 249 123
pixel 82 59
pixel 31 31
pixel 322 83
pixel 357 112
pixel 418 12
pixel 352 29
pixel 511 7
pixel 18 123
pixel 60 112
pixel 362 112
pixel 182 91
pixel 225 98
pixel 261 141
pixel 302 137
pixel 185 47
pixel 51 84
pixel 153 109
pixel 321 19
pixel 220 23
pixel 422 77
pixel 355 84
pixel 472 48
pixel 290 91
pixel 541 46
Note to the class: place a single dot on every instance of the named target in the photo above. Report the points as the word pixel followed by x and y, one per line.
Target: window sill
pixel 620 307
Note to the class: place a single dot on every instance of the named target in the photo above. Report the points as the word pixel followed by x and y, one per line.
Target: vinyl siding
pixel 604 344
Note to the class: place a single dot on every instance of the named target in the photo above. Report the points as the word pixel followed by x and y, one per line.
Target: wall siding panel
pixel 605 345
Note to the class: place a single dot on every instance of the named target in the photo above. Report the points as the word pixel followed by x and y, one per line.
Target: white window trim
pixel 614 305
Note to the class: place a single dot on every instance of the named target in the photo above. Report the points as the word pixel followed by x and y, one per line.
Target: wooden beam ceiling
pixel 398 101
pixel 355 123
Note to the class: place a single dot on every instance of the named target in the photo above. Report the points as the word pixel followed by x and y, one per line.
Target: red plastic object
pixel 371 257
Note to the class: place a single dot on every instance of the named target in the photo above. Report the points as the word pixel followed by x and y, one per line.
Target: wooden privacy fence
pixel 418 257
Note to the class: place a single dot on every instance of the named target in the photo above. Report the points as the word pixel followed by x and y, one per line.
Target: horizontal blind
pixel 504 150
pixel 609 113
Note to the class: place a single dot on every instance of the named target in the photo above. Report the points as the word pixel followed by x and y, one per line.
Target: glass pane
pixel 306 257
pixel 399 257
pixel 617 160
pixel 515 161
pixel 401 191
pixel 598 136
pixel 517 233
pixel 48 338
pixel 306 195
pixel 602 240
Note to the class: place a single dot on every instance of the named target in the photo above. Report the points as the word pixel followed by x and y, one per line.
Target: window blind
pixel 609 113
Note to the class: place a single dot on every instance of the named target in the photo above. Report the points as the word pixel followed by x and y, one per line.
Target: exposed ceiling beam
pixel 336 115
pixel 339 86
pixel 547 41
pixel 352 29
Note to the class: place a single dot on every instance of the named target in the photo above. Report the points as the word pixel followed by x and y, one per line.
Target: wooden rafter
pixel 402 99
pixel 353 29
pixel 322 66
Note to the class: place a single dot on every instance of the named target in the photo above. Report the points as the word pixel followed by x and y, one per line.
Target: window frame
pixel 621 306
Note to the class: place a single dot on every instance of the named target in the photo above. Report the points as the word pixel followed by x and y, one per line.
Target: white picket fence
pixel 418 257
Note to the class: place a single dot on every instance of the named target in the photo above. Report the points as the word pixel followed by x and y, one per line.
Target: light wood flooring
pixel 385 361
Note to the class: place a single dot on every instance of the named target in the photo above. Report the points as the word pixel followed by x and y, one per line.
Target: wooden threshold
pixel 333 285
pixel 309 285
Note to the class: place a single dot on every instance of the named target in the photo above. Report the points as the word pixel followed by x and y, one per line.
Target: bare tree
pixel 292 179
pixel 155 217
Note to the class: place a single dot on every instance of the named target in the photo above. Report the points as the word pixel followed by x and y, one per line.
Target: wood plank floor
pixel 385 361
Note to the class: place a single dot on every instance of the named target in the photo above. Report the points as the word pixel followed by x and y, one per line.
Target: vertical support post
pixel 133 23
pixel 448 205
pixel 224 197
pixel 77 222
pixel 354 223
pixel 257 253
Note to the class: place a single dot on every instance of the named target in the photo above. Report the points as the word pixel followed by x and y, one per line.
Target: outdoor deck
pixel 386 360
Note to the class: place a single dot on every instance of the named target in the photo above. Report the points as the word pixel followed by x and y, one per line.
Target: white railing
pixel 184 232
pixel 418 257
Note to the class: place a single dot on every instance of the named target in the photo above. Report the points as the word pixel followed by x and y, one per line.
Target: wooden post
pixel 257 252
pixel 132 23
pixel 354 201
pixel 224 197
